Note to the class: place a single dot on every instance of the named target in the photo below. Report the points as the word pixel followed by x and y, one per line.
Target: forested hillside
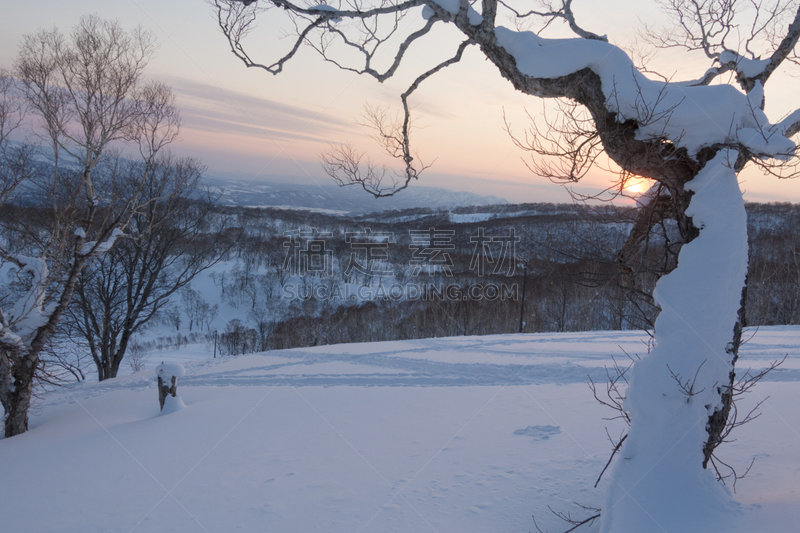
pixel 286 278
pixel 303 278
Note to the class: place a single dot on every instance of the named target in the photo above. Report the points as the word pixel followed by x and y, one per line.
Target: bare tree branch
pixel 347 166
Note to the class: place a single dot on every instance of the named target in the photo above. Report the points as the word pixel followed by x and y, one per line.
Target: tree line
pixel 566 260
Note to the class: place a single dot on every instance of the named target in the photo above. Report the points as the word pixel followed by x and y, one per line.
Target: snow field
pixel 463 434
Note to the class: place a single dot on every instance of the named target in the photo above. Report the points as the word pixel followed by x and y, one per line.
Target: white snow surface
pixel 692 117
pixel 453 7
pixel 325 7
pixel 467 434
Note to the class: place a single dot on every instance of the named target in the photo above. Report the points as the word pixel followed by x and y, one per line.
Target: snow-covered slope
pixel 468 434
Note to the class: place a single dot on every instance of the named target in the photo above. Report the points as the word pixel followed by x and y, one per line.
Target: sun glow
pixel 637 186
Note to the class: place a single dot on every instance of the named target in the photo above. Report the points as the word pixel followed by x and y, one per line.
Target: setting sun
pixel 637 186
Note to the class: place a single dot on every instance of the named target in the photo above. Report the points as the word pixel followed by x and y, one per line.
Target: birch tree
pixel 692 137
pixel 169 242
pixel 86 98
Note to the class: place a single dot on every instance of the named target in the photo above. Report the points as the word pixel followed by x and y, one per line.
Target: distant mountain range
pixel 333 199
pixel 238 189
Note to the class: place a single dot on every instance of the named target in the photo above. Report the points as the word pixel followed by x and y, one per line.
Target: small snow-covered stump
pixel 168 374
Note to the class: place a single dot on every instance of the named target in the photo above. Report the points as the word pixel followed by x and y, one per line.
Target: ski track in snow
pixel 548 358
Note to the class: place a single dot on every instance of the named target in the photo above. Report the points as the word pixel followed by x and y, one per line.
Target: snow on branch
pixel 99 247
pixel 783 50
pixel 711 25
pixel 690 117
pixel 29 311
pixel 752 70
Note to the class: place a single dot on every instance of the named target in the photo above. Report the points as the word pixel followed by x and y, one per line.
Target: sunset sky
pixel 248 123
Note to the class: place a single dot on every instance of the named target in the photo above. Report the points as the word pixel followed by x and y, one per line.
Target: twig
pixel 613 453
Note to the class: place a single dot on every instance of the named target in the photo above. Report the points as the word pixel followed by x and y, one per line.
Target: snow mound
pixel 172 404
pixel 167 370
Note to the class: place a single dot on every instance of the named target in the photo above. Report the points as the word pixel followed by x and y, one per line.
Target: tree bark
pixel 718 421
pixel 165 389
pixel 17 401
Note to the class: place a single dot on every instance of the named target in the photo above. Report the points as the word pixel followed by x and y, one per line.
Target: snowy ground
pixel 444 435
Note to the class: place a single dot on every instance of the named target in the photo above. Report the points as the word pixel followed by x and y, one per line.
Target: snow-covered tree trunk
pixel 657 482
